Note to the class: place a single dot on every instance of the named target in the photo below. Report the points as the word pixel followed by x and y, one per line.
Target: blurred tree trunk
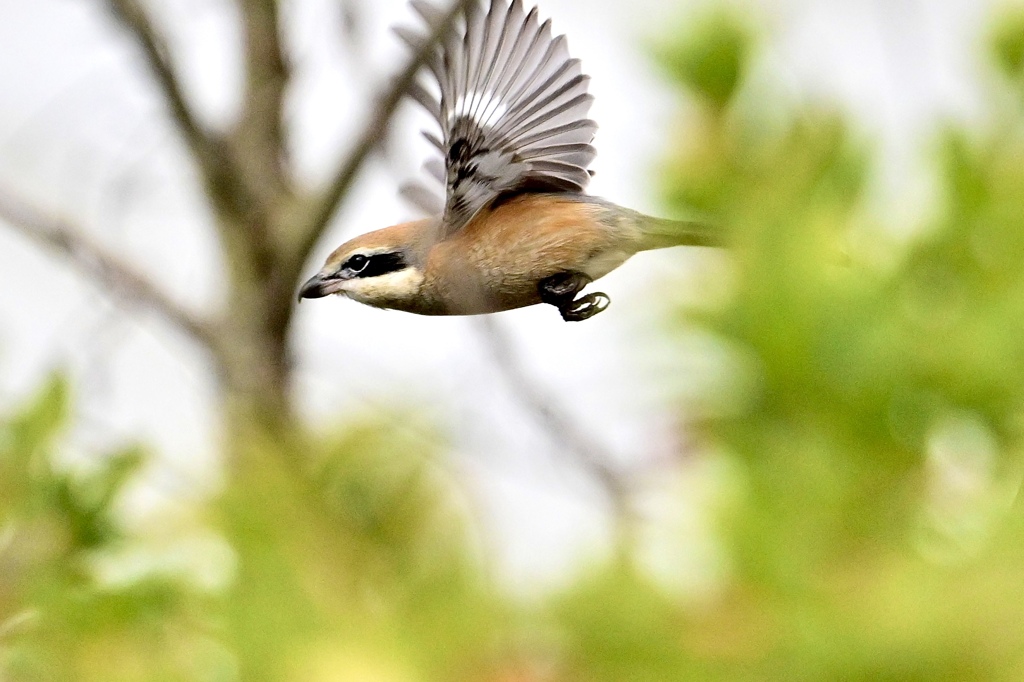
pixel 253 351
pixel 267 226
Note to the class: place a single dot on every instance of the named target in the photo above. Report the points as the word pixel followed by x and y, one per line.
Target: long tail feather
pixel 660 233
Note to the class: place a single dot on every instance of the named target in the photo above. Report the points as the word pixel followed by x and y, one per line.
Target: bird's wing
pixel 512 106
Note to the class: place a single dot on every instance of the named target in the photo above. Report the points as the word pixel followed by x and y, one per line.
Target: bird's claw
pixel 560 291
pixel 585 307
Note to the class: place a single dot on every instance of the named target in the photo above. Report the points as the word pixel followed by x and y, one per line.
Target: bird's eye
pixel 357 263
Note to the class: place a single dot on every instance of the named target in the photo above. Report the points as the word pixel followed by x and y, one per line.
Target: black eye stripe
pixel 361 265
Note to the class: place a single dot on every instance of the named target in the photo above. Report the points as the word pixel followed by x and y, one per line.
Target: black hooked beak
pixel 319 285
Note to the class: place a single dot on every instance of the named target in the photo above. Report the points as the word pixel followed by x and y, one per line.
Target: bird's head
pixel 378 268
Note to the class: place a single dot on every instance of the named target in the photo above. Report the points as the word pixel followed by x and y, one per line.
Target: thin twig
pixel 224 180
pixel 559 426
pixel 101 266
pixel 373 133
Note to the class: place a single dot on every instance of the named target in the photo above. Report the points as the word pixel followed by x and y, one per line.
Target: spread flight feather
pixel 512 106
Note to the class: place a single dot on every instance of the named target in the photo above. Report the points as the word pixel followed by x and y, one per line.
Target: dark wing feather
pixel 512 106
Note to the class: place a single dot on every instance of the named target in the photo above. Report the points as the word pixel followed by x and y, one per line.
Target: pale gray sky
pixel 81 134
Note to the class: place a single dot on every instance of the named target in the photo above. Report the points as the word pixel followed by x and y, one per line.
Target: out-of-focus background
pixel 797 458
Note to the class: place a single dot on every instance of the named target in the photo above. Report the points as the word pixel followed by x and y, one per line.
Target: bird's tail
pixel 659 233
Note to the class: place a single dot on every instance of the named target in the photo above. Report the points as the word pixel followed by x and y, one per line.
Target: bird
pixel 516 227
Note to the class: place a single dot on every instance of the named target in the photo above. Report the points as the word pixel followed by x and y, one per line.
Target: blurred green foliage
pixel 710 58
pixel 1008 42
pixel 870 526
pixel 59 622
pixel 875 537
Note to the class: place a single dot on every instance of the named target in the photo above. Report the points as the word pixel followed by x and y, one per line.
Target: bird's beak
pixel 320 285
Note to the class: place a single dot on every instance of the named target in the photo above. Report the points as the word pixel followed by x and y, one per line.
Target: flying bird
pixel 515 227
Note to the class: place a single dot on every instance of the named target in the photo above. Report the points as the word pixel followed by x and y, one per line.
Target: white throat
pixel 385 290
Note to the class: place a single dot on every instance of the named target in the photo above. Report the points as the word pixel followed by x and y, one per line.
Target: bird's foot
pixel 585 307
pixel 560 291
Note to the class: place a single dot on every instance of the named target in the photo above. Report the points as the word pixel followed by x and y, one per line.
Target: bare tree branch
pixel 225 181
pixel 259 137
pixel 372 135
pixel 101 266
pixel 559 426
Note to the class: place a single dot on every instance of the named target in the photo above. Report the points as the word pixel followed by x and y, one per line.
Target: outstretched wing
pixel 512 106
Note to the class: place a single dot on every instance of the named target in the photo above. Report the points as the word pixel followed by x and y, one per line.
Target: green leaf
pixel 711 57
